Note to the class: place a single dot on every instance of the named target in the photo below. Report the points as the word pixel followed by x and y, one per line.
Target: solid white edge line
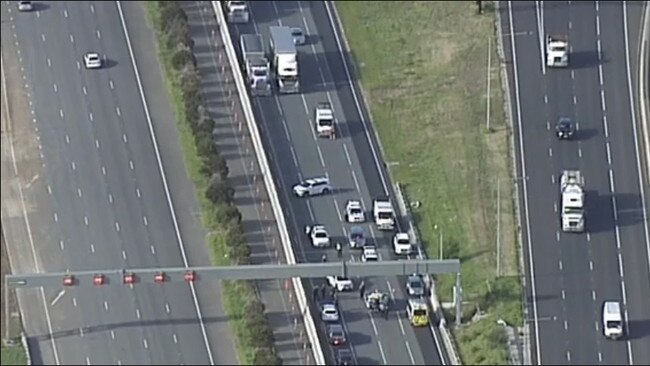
pixel 524 187
pixel 164 180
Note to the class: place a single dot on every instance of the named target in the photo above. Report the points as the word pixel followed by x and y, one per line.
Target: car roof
pixel 564 119
pixel 316 180
pixel 402 235
pixel 356 230
pixel 354 203
pixel 336 327
pixel 318 228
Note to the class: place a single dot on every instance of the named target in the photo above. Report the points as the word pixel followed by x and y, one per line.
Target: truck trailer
pixel 572 190
pixel 284 58
pixel 255 64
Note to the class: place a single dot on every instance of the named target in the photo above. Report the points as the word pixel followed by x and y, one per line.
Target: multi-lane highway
pixel 287 124
pixel 571 275
pixel 107 205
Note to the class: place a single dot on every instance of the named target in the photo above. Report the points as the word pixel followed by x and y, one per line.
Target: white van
pixel 612 319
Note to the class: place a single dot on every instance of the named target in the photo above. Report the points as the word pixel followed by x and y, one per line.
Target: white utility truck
pixel 284 58
pixel 573 212
pixel 237 11
pixel 383 214
pixel 557 51
pixel 325 120
pixel 256 65
pixel 612 320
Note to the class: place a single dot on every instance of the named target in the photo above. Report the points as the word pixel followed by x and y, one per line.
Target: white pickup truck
pixel 325 120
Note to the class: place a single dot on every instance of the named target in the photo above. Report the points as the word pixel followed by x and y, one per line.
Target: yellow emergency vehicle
pixel 418 312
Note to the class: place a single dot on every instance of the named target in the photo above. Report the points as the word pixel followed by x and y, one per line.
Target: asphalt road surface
pixel 571 275
pixel 108 203
pixel 287 123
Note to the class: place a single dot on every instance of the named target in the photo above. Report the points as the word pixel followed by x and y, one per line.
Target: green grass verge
pixel 238 296
pixel 424 70
pixel 14 355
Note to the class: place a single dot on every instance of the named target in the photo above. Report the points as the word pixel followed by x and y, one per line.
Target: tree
pixel 218 190
pixel 204 144
pixel 215 163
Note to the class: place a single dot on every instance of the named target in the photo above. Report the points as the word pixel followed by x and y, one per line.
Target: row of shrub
pixel 209 171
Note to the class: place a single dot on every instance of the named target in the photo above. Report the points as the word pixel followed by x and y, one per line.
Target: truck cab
pixel 557 51
pixel 284 57
pixel 572 191
pixel 383 214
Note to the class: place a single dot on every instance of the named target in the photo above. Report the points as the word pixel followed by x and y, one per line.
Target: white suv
pixel 402 243
pixel 312 187
pixel 92 60
pixel 319 237
pixel 369 254
pixel 354 212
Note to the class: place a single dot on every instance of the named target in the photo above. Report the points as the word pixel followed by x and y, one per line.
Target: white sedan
pixel 369 254
pixel 92 60
pixel 319 237
pixel 329 313
pixel 354 212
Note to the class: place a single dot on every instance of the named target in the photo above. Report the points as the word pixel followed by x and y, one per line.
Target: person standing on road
pixel 339 249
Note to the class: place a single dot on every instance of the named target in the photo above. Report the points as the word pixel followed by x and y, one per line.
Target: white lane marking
pixel 557 236
pixel 304 104
pixel 99 35
pixel 593 297
pixel 112 334
pixel 554 206
pixel 356 182
pixel 71 38
pixel 49 189
pixel 600 75
pixel 167 308
pixel 320 156
pixel 137 313
pixel 61 244
pixel 124 138
pixel 572 75
pixel 131 164
pixel 575 100
pixel 92 248
pixel 620 264
pixel 615 209
pixel 103 170
pixel 597 25
pixel 144 342
pixel 611 181
pixel 638 161
pixel 602 100
pixel 86 220
pixel 87 360
pixel 110 198
pixel 49 62
pixel 174 338
pixel 117 226
pixel 600 355
pixel 153 250
pixel 92 8
pixel 591 265
pixel 61 113
pixel 90 116
pixel 137 192
pixel 67 139
pixel 117 109
pixel 119 362
pixel 74 301
pixel 605 127
pixel 609 154
pixel 579 152
pixel 563 295
pixel 164 181
pixel 550 151
pixel 347 155
pixel 539 16
pixel 81 331
pixel 79 192
pixel 566 325
pixel 56 217
pixel 57 298
pixel 65 13
pixel 56 88
pixel 568 356
pixel 106 305
pixel 110 83
pixel 124 255
pixel 146 222
pixel 560 264
pixel 96 143
pixel 545 99
pixel 552 178
pixel 83 88
pixel 570 25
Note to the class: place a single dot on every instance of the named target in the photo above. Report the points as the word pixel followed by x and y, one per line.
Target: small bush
pixel 215 163
pixel 183 56
pixel 219 191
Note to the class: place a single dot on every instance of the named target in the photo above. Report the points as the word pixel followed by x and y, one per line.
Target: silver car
pixel 356 237
pixel 298 36
pixel 415 285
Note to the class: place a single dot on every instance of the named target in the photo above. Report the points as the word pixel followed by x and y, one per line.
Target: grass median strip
pixel 207 169
pixel 424 69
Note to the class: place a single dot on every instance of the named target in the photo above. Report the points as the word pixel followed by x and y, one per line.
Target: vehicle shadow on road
pixel 584 59
pixel 585 134
pixel 638 329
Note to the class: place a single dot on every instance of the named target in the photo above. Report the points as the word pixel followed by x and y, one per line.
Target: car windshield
pixel 356 235
pixel 355 210
pixel 419 312
pixel 415 283
pixel 321 235
pixel 296 32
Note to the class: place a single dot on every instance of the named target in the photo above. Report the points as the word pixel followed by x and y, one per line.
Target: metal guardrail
pixel 308 319
pixel 448 340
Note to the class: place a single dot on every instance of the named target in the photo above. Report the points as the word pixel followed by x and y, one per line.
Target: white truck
pixel 383 214
pixel 284 58
pixel 256 65
pixel 325 120
pixel 557 51
pixel 612 320
pixel 237 11
pixel 572 190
